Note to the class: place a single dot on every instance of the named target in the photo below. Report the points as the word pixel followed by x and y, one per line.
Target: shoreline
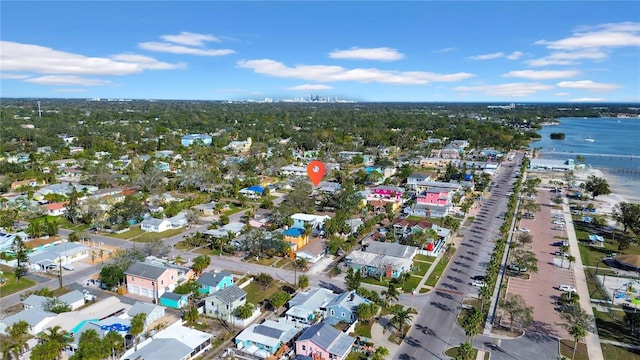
pixel 619 193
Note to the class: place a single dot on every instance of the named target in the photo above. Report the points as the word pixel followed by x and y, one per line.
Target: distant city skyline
pixel 410 51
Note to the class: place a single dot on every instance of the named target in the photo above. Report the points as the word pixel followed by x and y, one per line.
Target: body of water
pixel 616 141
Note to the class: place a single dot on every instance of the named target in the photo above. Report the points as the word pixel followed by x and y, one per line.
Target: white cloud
pixel 444 50
pixel 355 53
pixel 487 56
pixel 190 39
pixel 600 36
pixel 179 49
pixel 569 58
pixel 39 59
pixel 13 76
pixel 67 80
pixel 588 100
pixel 326 73
pixel 65 90
pixel 147 62
pixel 311 87
pixel 507 90
pixel 542 74
pixel 515 55
pixel 588 85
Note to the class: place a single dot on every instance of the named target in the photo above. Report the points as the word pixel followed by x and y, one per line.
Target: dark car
pixel 478 277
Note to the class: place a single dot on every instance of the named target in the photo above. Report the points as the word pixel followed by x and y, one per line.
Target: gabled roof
pixel 33 317
pixel 71 297
pixel 213 279
pixel 147 271
pixel 161 349
pixel 229 294
pixel 271 333
pixel 142 307
pixel 348 300
pixel 34 301
pixel 172 296
pixel 328 338
pixel 391 249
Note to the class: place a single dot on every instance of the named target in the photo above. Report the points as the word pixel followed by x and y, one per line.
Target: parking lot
pixel 541 290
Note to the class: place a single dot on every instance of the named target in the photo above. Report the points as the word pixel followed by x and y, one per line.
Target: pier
pixel 610 156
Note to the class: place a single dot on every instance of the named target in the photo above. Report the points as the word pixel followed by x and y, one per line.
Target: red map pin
pixel 315 170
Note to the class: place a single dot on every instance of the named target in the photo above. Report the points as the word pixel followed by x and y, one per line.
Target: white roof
pixel 284 331
pixel 188 336
pixel 309 217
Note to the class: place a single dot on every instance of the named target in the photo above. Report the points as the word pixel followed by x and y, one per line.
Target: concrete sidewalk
pixel 380 336
pixel 592 340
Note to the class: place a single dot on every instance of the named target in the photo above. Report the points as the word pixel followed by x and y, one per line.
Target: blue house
pixel 343 308
pixel 173 300
pixel 262 340
pixel 212 282
pixel 190 139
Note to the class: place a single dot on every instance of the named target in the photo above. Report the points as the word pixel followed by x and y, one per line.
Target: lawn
pixel 613 327
pixel 566 349
pixel 437 272
pixel 425 258
pixel 592 255
pixel 264 261
pixel 131 233
pixel 150 236
pixel 11 285
pixel 411 284
pixel 612 352
pixel 353 355
pixel 595 290
pixel 370 280
pixel 256 294
pixel 453 352
pixel 420 268
pixel 363 329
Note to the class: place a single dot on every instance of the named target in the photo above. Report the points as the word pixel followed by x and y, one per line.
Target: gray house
pixel 223 303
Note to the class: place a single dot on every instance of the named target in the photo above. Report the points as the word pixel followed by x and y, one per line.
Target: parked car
pixel 478 277
pixel 478 283
pixel 567 288
pixel 528 216
pixel 558 222
pixel 561 243
pixel 515 267
pixel 524 229
pixel 560 253
pixel 68 267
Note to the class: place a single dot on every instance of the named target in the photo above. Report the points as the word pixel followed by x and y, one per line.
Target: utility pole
pixel 60 272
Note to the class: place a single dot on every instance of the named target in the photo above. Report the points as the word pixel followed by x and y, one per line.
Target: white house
pixel 155 225
pixel 36 318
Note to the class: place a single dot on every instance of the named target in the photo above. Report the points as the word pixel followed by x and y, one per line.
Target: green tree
pixel 114 342
pixel 465 351
pixel 380 353
pixel 517 310
pixel 21 254
pixel 91 347
pixel 245 311
pixel 627 214
pixel 191 315
pixel 596 186
pixel 279 299
pixel 525 259
pixel 56 306
pixel 578 323
pixel 352 279
pixel 265 280
pixel 472 324
pixel 53 342
pixel 112 275
pixel 391 294
pixel 10 350
pixel 366 311
pixel 200 263
pixel 19 333
pixel 137 327
pixel 303 282
pixel 401 317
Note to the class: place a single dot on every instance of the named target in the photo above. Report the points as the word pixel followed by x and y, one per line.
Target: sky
pixel 453 51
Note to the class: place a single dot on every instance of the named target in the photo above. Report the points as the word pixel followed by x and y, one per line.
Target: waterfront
pixel 614 149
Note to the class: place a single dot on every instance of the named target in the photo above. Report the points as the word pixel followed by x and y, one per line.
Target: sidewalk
pixel 380 336
pixel 592 340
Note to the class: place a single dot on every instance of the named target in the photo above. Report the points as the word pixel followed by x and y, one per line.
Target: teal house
pixel 173 300
pixel 212 282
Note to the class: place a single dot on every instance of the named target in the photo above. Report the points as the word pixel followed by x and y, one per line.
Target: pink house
pixel 434 196
pixel 323 342
pixel 153 280
pixel 388 192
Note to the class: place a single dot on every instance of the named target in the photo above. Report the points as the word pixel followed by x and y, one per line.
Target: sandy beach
pixel 606 203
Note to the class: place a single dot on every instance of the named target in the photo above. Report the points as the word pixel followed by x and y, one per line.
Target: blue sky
pixel 579 51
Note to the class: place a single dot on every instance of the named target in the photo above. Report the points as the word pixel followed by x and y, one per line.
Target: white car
pixel 558 222
pixel 478 283
pixel 523 229
pixel 567 288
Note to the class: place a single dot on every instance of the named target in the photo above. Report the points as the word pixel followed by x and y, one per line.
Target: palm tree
pixel 571 259
pixel 60 338
pixel 380 353
pixel 401 316
pixel 485 294
pixel 137 327
pixel 391 293
pixel 464 351
pixel 18 332
pixel 578 332
pixel 10 350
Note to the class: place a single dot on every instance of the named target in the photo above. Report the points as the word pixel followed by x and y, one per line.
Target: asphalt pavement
pixel 435 329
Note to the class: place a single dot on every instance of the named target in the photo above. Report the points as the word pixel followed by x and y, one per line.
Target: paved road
pixel 435 328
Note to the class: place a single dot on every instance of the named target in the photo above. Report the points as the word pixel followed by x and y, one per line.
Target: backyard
pixel 10 285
